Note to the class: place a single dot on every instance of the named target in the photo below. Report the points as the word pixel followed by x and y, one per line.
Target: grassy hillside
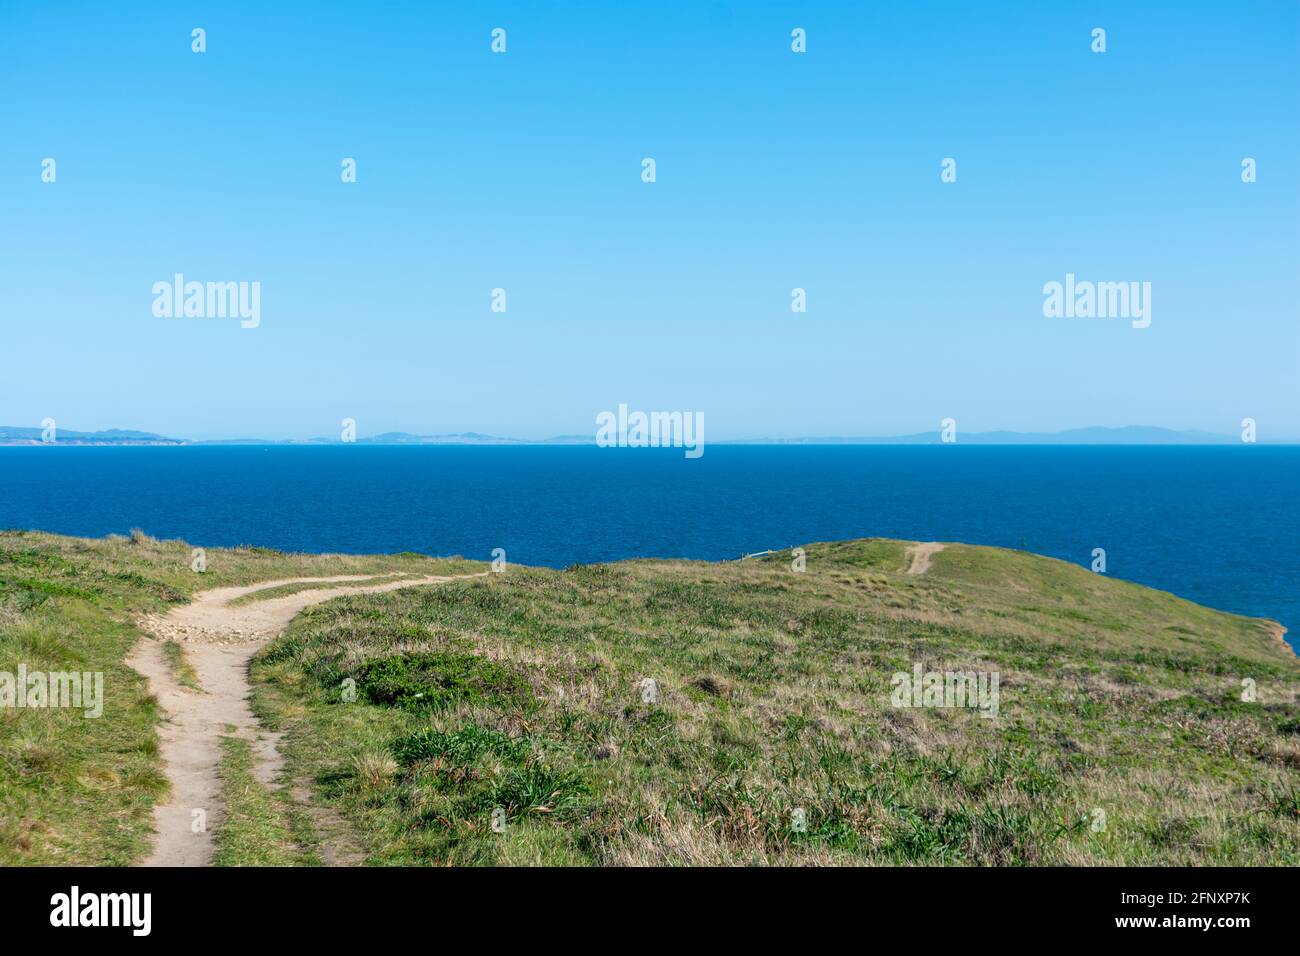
pixel 81 791
pixel 1122 736
pixel 768 736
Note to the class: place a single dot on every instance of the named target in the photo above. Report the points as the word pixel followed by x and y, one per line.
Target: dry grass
pixel 774 697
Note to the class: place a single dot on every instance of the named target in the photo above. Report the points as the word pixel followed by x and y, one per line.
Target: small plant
pixel 539 788
pixel 375 770
pixel 1283 800
pixel 461 747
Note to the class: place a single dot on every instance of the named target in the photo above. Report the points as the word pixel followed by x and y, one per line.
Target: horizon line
pixel 22 436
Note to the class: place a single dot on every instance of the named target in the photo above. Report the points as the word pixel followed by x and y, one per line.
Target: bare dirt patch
pixel 920 555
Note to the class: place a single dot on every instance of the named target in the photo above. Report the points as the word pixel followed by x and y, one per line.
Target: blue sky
pixel 775 170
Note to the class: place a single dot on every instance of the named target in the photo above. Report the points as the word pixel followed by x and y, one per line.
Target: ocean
pixel 1216 525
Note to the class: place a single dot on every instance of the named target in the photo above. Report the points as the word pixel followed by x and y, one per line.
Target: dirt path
pixel 219 641
pixel 921 555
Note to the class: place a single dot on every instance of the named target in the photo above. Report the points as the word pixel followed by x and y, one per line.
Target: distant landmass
pixel 1128 435
pixel 12 435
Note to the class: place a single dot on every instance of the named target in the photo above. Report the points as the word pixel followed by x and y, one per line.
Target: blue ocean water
pixel 1217 525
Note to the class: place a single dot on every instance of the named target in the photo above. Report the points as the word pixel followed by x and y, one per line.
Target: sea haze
pixel 1217 525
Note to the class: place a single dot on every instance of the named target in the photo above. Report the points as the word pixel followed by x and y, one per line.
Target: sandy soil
pixel 1277 633
pixel 219 642
pixel 921 555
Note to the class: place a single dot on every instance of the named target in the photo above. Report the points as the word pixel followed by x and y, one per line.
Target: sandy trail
pixel 921 554
pixel 219 642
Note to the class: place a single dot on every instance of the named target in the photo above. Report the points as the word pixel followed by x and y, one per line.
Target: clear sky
pixel 775 170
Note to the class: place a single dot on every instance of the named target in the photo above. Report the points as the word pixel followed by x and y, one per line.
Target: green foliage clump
pixel 437 679
pixel 461 747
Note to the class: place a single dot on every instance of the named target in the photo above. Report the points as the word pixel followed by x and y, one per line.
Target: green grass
pixel 260 827
pixel 182 669
pixel 435 680
pixel 1122 738
pixel 81 791
pixel 420 716
pixel 75 790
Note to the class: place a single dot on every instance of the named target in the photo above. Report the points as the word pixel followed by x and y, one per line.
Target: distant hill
pixel 1127 435
pixel 12 435
pixel 470 438
pixel 463 438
